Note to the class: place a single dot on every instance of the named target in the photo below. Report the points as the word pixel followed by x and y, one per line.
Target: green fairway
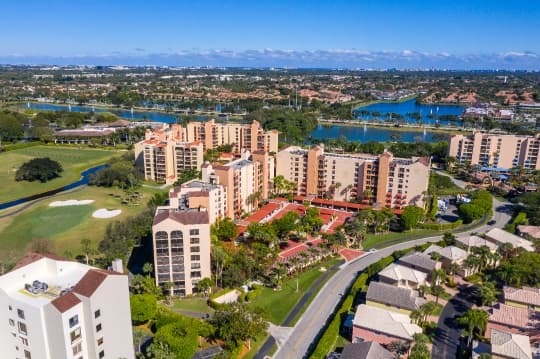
pixel 73 159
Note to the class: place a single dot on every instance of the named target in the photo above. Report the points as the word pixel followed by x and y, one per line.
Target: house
pixel 525 297
pixel 382 326
pixel 500 237
pixel 419 261
pixel 401 300
pixel 449 256
pixel 469 242
pixel 509 345
pixel 512 319
pixel 366 350
pixel 401 276
pixel 531 231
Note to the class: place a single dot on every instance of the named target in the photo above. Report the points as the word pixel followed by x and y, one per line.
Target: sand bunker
pixel 71 202
pixel 105 213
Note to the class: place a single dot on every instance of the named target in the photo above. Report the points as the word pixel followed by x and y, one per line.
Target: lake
pixel 354 133
pixel 429 114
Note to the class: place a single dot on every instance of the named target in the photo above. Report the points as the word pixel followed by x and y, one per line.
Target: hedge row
pixel 441 226
pixel 18 146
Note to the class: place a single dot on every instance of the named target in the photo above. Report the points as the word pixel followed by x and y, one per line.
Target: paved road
pixel 446 340
pixel 316 315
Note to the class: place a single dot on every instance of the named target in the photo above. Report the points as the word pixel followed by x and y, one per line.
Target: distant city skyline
pixel 457 34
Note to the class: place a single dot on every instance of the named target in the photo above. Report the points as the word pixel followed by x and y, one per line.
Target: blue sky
pixel 141 28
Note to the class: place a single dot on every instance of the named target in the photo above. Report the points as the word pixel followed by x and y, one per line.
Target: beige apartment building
pixel 181 244
pixel 384 179
pixel 196 194
pixel 498 151
pixel 54 308
pixel 242 178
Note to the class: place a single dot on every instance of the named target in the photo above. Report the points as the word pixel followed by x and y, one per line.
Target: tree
pixel 420 349
pixel 437 291
pixel 311 221
pixel 147 268
pixel 474 321
pixel 398 347
pixel 411 216
pixel 262 233
pixel 204 285
pixel 145 284
pixel 87 248
pixel 224 229
pixel 237 323
pixel 486 293
pixel 39 169
pixel 10 127
pixel 470 212
pixel 286 224
pixel 143 307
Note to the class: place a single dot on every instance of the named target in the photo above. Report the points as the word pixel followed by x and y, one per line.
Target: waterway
pixel 353 133
pixel 430 114
pixel 85 178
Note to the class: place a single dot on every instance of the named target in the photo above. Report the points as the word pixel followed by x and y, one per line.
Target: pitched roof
pixel 510 345
pixel 475 241
pixel 512 316
pixel 533 231
pixel 65 302
pixel 394 296
pixel 418 261
pixel 34 257
pixel 385 321
pixel 526 295
pixel 366 350
pixel 398 272
pixel 184 217
pixel 90 282
pixel 500 236
pixel 452 253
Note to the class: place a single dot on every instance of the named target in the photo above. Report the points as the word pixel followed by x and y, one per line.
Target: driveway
pixel 446 340
pixel 313 321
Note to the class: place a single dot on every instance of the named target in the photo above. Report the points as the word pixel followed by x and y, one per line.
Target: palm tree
pixel 486 293
pixel 335 188
pixel 147 268
pixel 347 190
pixel 474 321
pixel 367 194
pixel 483 254
pixel 437 276
pixel 507 250
pixel 437 290
pixel 424 289
pixel 294 261
pixel 471 263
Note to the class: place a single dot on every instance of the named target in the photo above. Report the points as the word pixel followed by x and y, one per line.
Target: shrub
pixel 39 169
pixel 143 307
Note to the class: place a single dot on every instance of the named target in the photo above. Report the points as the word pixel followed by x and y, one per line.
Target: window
pixel 194 240
pixel 195 258
pixel 77 348
pixel 20 313
pixel 195 249
pixel 98 327
pixel 12 322
pixel 194 232
pixel 22 328
pixel 10 308
pixel 97 313
pixel 73 321
pixel 101 354
pixel 75 335
pixel 27 354
pixel 100 341
pixel 24 341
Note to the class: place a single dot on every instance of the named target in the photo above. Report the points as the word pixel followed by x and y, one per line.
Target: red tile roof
pixel 65 302
pixel 513 316
pixel 90 282
pixel 263 212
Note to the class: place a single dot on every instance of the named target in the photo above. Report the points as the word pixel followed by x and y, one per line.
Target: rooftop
pixel 500 236
pixel 526 295
pixel 186 217
pixel 385 321
pixel 452 253
pixel 512 316
pixel 399 272
pixel 533 231
pixel 366 350
pixel 418 261
pixel 394 296
pixel 475 241
pixel 510 345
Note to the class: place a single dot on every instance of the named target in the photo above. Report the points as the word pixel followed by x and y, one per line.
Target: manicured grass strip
pixel 194 304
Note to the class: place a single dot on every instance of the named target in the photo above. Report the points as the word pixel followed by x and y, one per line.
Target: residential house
pixel 402 276
pixel 449 256
pixel 419 261
pixel 366 350
pixel 506 345
pixel 500 237
pixel 387 296
pixel 469 242
pixel 525 297
pixel 512 319
pixel 529 231
pixel 382 326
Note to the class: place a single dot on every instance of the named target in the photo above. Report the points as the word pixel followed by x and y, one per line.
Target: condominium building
pixel 181 243
pixel 54 308
pixel 384 179
pixel 494 150
pixel 197 194
pixel 245 179
pixel 167 151
pixel 251 137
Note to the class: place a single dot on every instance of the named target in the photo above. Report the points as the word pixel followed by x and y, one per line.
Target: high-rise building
pixel 196 194
pixel 496 151
pixel 247 180
pixel 384 179
pixel 54 308
pixel 181 239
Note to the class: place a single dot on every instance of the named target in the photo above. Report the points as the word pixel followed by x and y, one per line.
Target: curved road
pixel 314 318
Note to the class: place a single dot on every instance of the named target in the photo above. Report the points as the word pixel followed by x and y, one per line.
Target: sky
pixel 344 32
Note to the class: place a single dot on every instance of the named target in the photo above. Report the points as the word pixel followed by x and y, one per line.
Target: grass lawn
pixel 65 226
pixel 384 240
pixel 278 304
pixel 73 159
pixel 193 304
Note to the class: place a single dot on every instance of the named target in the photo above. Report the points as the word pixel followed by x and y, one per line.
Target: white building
pixel 53 308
